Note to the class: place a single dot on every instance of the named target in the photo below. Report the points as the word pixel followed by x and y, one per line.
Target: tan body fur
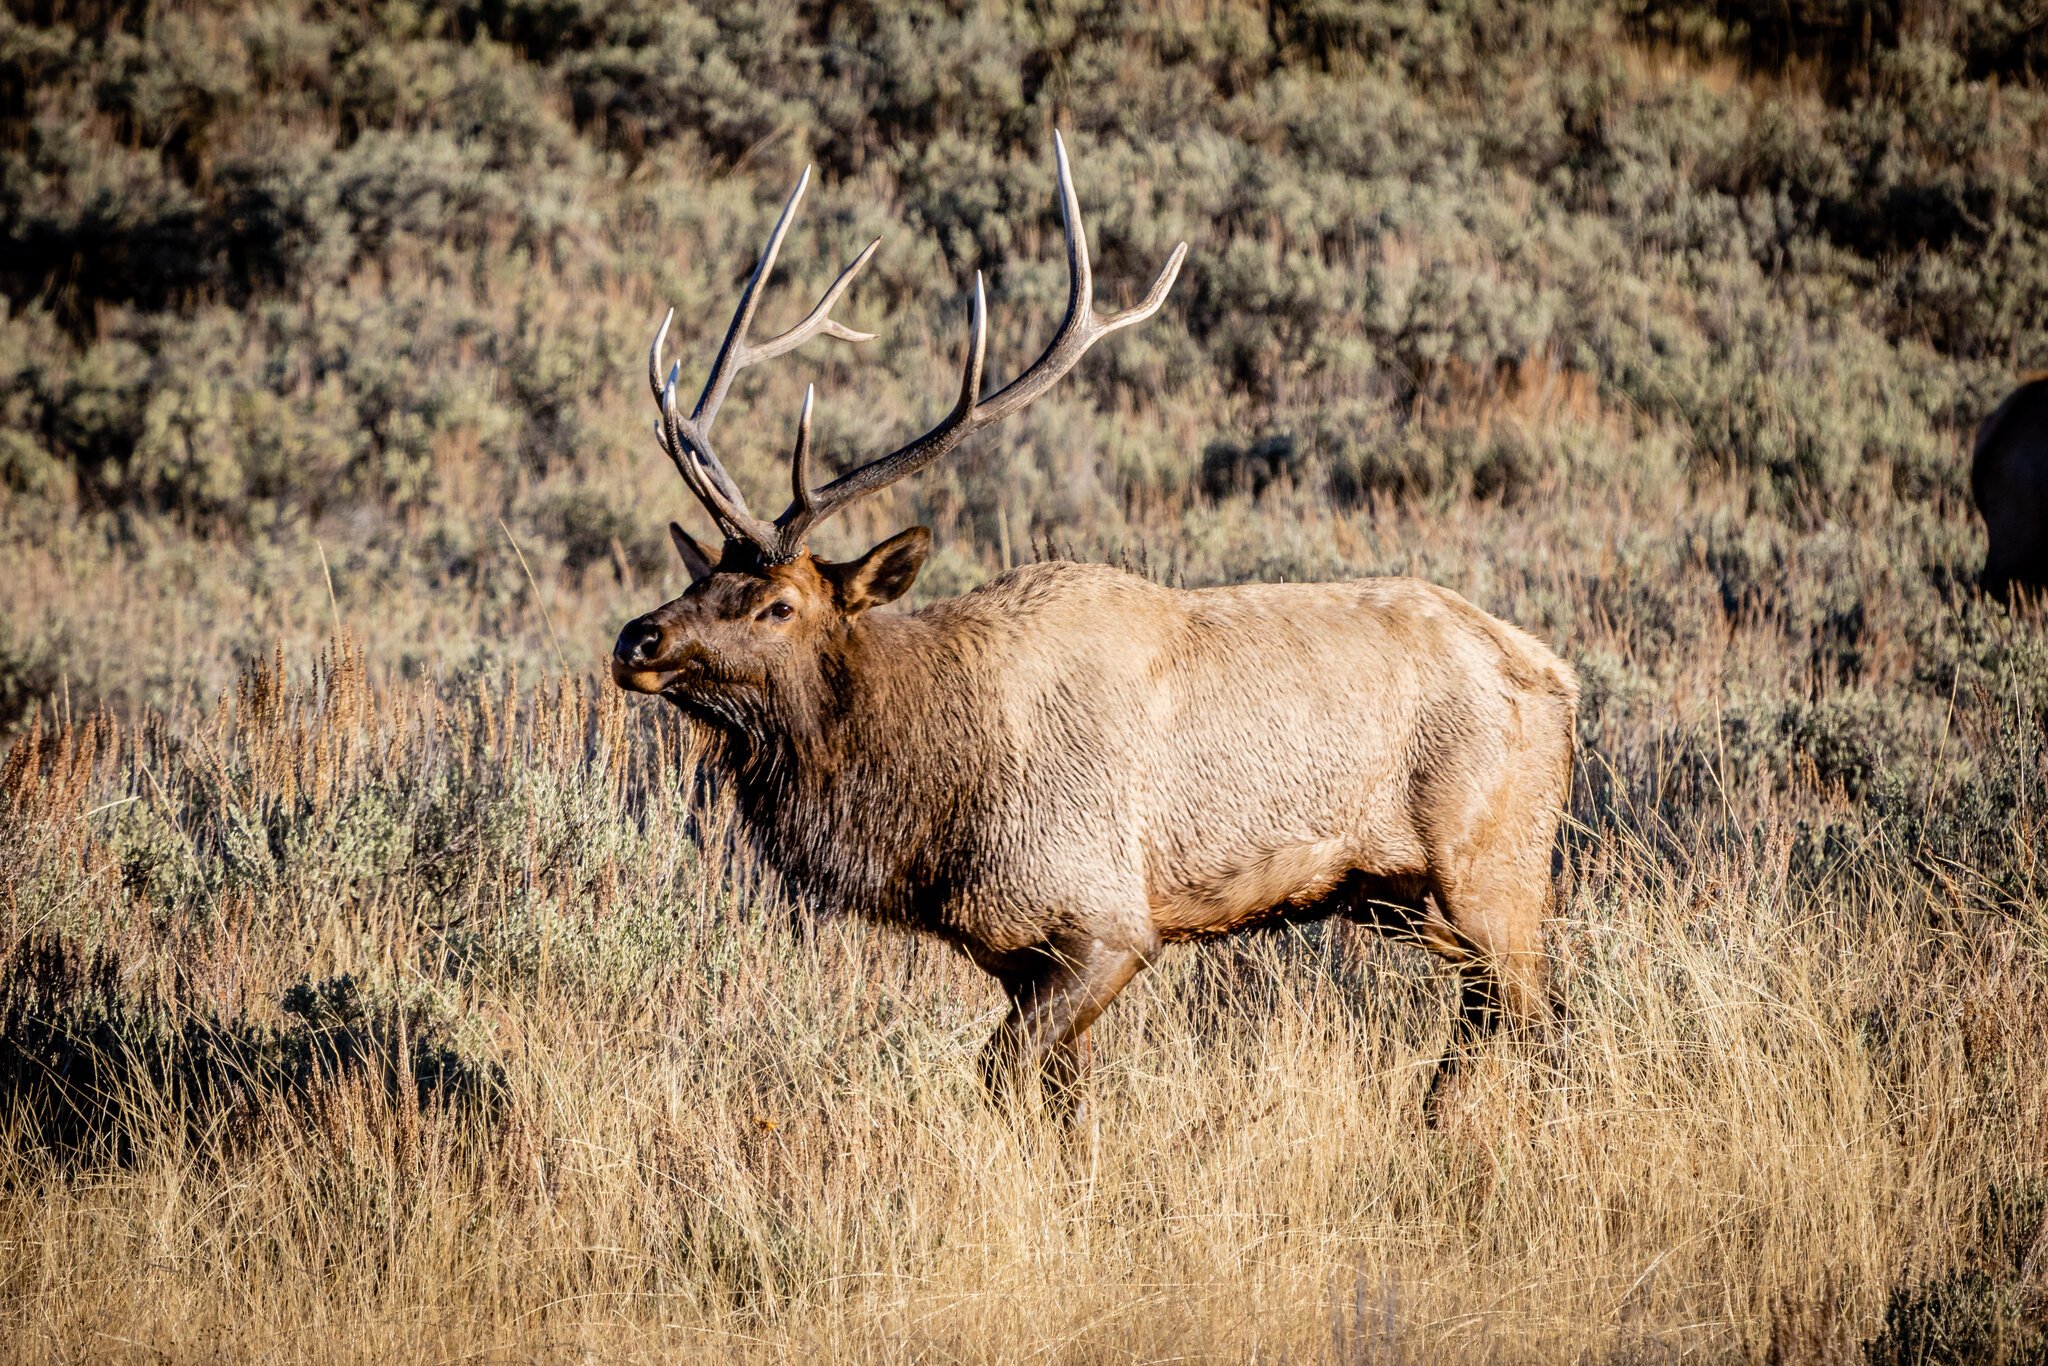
pixel 2009 480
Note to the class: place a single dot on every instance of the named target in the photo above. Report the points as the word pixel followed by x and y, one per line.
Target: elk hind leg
pixel 1490 930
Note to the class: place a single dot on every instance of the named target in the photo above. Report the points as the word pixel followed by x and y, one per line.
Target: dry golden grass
pixel 1808 1068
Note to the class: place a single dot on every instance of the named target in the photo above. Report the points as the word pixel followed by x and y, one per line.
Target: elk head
pixel 757 620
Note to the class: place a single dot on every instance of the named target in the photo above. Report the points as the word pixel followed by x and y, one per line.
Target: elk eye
pixel 777 610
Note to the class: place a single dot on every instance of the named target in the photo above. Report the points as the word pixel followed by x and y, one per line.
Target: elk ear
pixel 882 575
pixel 694 558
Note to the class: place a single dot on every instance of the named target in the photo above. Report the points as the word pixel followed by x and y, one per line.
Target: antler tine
pixel 800 458
pixel 672 444
pixel 665 405
pixel 691 456
pixel 977 353
pixel 665 399
pixel 1080 329
pixel 1083 326
pixel 733 348
pixel 815 322
pixel 1080 275
pixel 654 356
pixel 737 353
pixel 1154 296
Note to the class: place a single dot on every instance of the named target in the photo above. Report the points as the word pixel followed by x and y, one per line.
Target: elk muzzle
pixel 640 661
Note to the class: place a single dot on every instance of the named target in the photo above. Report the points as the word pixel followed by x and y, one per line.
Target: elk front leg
pixel 1052 1004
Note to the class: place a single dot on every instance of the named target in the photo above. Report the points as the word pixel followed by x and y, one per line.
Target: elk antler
pixel 687 439
pixel 684 438
pixel 1080 329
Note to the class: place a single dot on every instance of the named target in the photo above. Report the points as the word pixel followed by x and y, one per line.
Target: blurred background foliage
pixel 294 277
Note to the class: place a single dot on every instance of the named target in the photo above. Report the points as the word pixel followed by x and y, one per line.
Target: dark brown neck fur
pixel 837 785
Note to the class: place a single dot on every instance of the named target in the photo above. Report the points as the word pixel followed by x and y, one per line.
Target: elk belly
pixel 1251 888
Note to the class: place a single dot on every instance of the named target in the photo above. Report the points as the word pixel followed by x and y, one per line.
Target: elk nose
pixel 639 643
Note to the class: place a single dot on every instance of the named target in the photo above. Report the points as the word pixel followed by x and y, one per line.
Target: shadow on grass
pixel 94 1069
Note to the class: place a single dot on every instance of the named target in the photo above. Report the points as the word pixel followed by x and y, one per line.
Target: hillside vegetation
pixel 376 982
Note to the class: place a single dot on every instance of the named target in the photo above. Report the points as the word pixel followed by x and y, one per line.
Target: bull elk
pixel 2009 482
pixel 1071 767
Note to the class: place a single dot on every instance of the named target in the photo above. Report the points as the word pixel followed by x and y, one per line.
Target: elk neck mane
pixel 833 753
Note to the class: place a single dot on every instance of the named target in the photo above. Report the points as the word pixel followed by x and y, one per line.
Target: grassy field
pixel 377 983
